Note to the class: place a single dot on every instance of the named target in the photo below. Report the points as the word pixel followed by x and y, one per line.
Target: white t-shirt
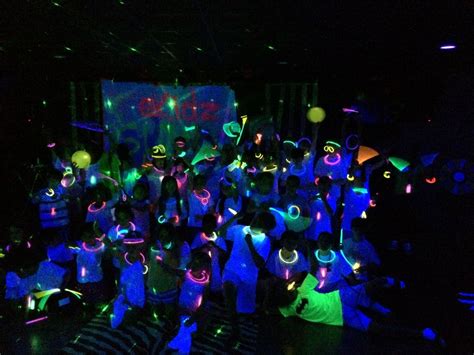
pixel 331 274
pixel 362 252
pixel 154 178
pixel 132 283
pixel 240 261
pixel 286 269
pixel 197 207
pixel 88 261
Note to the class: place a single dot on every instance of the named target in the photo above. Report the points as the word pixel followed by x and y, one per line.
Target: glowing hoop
pixel 293 260
pixel 204 199
pixel 355 145
pixel 430 180
pixel 92 250
pixel 132 241
pixel 293 208
pixel 161 219
pixel 142 257
pixel 350 177
pixel 211 238
pixel 387 174
pixel 118 230
pixel 290 142
pixel 202 280
pixel 333 257
pixel 270 168
pixel 91 208
pixel 332 162
pixel 50 192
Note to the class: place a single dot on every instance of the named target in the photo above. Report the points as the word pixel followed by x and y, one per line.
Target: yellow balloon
pixel 316 114
pixel 81 159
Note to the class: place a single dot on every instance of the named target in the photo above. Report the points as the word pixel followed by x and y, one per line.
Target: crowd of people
pixel 265 226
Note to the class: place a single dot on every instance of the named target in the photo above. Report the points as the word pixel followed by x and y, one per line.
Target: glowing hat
pixel 158 151
pixel 365 153
pixel 232 129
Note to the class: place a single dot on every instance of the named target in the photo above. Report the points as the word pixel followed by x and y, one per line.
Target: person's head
pixel 324 184
pixel 227 154
pixel 158 155
pixel 292 184
pixel 123 214
pixel 358 228
pixel 289 240
pixel 179 145
pixel 169 186
pixel 297 155
pixel 54 178
pixel 228 186
pixel 305 145
pixel 16 234
pixel 99 193
pixel 199 182
pixel 88 234
pixel 140 191
pixel 263 222
pixel 325 241
pixel 209 223
pixel 264 183
pixel 200 263
pixel 166 233
pixel 332 148
pixel 180 165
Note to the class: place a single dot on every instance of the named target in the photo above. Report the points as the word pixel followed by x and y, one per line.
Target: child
pixel 214 245
pixel 298 168
pixel 100 209
pixel 182 177
pixel 298 297
pixel 123 223
pixel 141 208
pixel 265 196
pixel 162 285
pixel 250 250
pixel 200 202
pixel 88 260
pixel 53 209
pixel 170 206
pixel 229 199
pixel 285 262
pixel 132 280
pixel 359 249
pixel 192 302
pixel 292 196
pixel 334 164
pixel 157 172
pixel 332 270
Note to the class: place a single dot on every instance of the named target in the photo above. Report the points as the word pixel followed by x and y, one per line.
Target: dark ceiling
pixel 222 41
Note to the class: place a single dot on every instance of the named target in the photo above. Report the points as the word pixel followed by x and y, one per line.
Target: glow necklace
pixel 291 214
pixel 203 199
pixel 117 230
pixel 212 238
pixel 202 280
pixel 301 171
pixel 254 235
pixel 92 249
pixel 129 263
pixel 333 257
pixel 332 162
pixel 292 260
pixel 91 208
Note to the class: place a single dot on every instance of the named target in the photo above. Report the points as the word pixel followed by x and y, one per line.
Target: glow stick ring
pixel 334 162
pixel 92 250
pixel 333 257
pixel 292 215
pixel 201 280
pixel 356 144
pixel 292 260
pixel 142 257
pixel 92 209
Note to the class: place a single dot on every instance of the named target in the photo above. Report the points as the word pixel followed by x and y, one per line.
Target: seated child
pixel 359 249
pixel 332 270
pixel 162 285
pixel 285 262
pixel 192 302
pixel 100 209
pixel 214 245
pixel 131 290
pixel 89 272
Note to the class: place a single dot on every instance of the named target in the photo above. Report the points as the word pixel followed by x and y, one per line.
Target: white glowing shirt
pixel 240 261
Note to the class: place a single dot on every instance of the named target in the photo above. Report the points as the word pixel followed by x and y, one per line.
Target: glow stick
pixel 331 259
pixel 244 120
pixel 386 174
pixel 83 272
pixel 293 259
pixel 36 320
pixel 51 145
pixel 290 142
pixel 333 143
pixel 430 181
pixel 408 189
pixel 231 210
pixel 341 236
pixel 332 162
pixel 190 128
